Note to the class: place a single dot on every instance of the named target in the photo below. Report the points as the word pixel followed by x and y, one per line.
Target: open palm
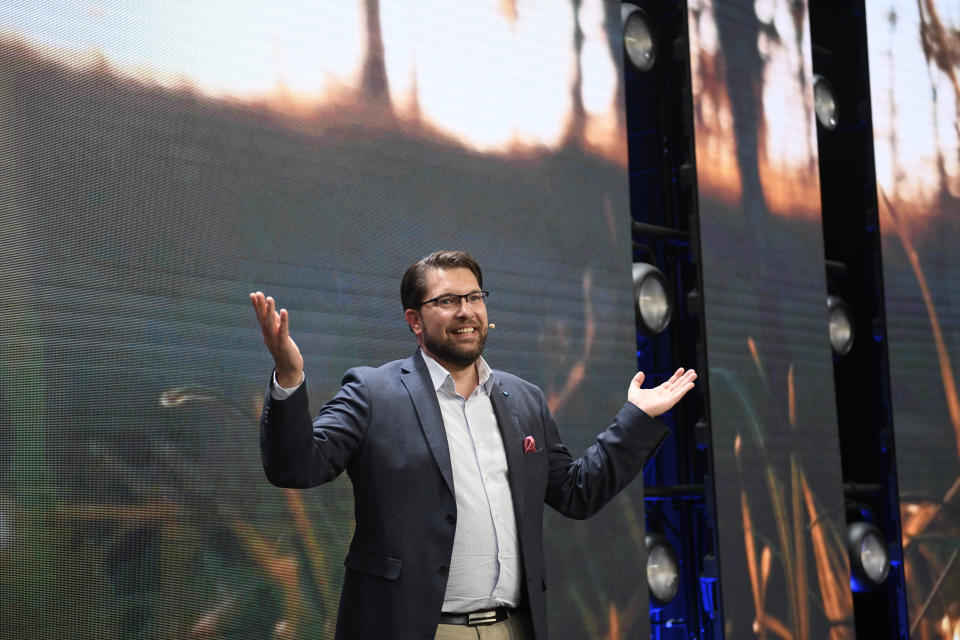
pixel 663 397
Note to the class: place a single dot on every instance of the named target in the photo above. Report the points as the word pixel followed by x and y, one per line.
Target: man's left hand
pixel 660 399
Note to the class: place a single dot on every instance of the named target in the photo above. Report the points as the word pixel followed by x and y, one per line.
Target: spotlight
pixel 841 325
pixel 652 297
pixel 824 103
pixel 663 569
pixel 638 37
pixel 869 558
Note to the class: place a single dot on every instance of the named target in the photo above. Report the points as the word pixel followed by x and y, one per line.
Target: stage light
pixel 638 38
pixel 841 325
pixel 869 558
pixel 663 569
pixel 652 295
pixel 824 103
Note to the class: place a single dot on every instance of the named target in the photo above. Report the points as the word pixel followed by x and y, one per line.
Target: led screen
pixel 162 160
pixel 914 62
pixel 779 500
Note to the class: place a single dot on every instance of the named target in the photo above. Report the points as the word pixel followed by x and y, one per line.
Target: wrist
pixel 650 411
pixel 290 378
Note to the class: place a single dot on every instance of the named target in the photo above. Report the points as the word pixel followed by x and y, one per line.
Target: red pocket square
pixel 529 445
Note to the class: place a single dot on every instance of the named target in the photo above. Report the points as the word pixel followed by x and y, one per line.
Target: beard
pixel 459 355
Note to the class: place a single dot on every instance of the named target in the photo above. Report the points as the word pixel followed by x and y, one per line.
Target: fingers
pixel 272 323
pixel 262 305
pixel 258 304
pixel 679 384
pixel 671 382
pixel 680 379
pixel 679 391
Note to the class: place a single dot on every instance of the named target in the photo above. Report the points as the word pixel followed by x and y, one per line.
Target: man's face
pixel 453 337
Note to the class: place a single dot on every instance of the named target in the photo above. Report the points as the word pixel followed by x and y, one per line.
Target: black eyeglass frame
pixel 461 297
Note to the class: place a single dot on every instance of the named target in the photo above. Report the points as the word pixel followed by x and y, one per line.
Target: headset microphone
pixel 492 326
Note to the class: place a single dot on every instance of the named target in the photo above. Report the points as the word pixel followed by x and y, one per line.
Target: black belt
pixel 474 618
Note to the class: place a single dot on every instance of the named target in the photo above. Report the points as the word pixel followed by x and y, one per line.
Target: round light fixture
pixel 841 325
pixel 825 103
pixel 638 40
pixel 652 296
pixel 663 569
pixel 869 557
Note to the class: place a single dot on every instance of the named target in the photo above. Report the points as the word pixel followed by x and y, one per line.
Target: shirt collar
pixel 440 377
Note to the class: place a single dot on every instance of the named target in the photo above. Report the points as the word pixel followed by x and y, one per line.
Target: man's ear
pixel 412 316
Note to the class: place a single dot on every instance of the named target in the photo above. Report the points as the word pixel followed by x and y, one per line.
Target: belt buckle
pixel 481 617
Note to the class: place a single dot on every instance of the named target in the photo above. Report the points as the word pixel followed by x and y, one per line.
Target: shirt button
pixel 443 570
pixel 452 519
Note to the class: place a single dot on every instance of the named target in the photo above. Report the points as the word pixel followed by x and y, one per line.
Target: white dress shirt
pixel 485 566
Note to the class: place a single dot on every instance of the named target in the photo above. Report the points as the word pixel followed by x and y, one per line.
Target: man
pixel 451 464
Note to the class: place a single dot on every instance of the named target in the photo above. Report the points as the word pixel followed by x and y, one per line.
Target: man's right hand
pixel 275 326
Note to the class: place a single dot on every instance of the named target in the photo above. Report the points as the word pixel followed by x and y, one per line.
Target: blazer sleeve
pixel 580 487
pixel 299 453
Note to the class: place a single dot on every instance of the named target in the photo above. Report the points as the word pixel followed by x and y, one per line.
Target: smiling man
pixel 451 463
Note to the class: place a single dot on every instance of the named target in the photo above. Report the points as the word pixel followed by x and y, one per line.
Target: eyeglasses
pixel 451 301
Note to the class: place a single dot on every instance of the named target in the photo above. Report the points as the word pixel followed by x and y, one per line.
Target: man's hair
pixel 413 286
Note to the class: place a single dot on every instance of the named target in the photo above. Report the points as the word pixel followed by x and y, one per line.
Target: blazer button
pixel 452 519
pixel 443 570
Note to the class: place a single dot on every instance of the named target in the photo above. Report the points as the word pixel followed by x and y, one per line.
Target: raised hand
pixel 660 399
pixel 275 326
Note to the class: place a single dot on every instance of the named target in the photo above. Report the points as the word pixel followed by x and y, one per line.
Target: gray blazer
pixel 384 427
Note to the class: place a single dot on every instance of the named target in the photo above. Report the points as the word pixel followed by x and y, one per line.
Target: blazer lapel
pixel 416 378
pixel 503 407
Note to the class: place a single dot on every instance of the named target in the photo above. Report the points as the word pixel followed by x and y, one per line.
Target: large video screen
pixel 779 496
pixel 159 161
pixel 914 65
